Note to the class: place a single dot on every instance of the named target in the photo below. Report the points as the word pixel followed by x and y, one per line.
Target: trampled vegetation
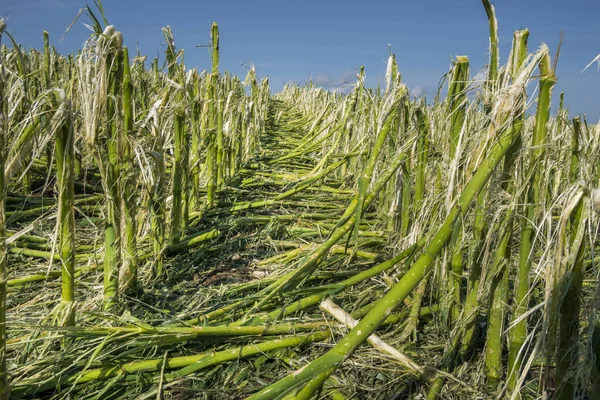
pixel 170 233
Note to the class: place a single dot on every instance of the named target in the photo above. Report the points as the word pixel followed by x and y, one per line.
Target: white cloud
pixel 418 91
pixel 480 76
pixel 340 83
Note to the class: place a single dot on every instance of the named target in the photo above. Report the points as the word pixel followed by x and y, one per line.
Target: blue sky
pixel 329 40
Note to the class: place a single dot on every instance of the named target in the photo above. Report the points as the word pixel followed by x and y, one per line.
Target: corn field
pixel 173 233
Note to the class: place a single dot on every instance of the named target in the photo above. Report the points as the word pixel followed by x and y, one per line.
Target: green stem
pixel 567 356
pixel 498 299
pixel 65 157
pixel 186 365
pixel 128 187
pixel 534 195
pixel 407 283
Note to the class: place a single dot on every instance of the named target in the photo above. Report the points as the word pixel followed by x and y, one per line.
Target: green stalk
pixel 112 237
pixel 448 363
pixel 500 268
pixel 388 123
pixel 4 387
pixel 157 199
pixel 311 261
pixel 498 299
pixel 534 195
pixel 65 157
pixel 567 356
pixel 180 144
pixel 211 156
pixel 315 299
pixel 422 157
pixel 407 283
pixel 471 307
pixel 493 65
pixel 457 97
pixel 177 207
pixel 196 144
pixel 47 85
pixel 129 276
pixel 457 101
pixel 186 365
pixel 406 198
pixel 574 168
pixel 221 164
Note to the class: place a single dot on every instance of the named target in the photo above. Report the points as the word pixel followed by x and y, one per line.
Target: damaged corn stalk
pixel 214 239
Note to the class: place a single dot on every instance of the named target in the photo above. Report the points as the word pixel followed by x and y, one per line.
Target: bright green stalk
pixel 567 356
pixel 157 198
pixel 47 85
pixel 574 169
pixel 560 117
pixel 534 195
pixel 449 361
pixel 422 151
pixel 47 79
pixel 457 96
pixel 211 157
pixel 4 388
pixel 112 237
pixel 311 261
pixel 186 365
pixel 65 157
pixel 407 283
pixel 128 187
pixel 405 174
pixel 495 333
pixel 315 299
pixel 155 71
pixel 406 198
pixel 313 386
pixel 180 145
pixel 390 121
pixel 196 144
pixel 493 64
pixel 498 299
pixel 221 164
pixel 176 210
pixel 457 100
pixel 422 156
pixel 476 259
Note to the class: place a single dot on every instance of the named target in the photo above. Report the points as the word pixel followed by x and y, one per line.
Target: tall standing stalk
pixel 180 145
pixel 47 85
pixel 498 300
pixel 178 178
pixel 65 163
pixel 567 356
pixel 457 96
pixel 422 150
pixel 128 278
pixel 196 143
pixel 4 388
pixel 211 156
pixel 500 269
pixel 157 194
pixel 534 194
pixel 493 65
pixel 112 230
pixel 221 164
pixel 477 248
